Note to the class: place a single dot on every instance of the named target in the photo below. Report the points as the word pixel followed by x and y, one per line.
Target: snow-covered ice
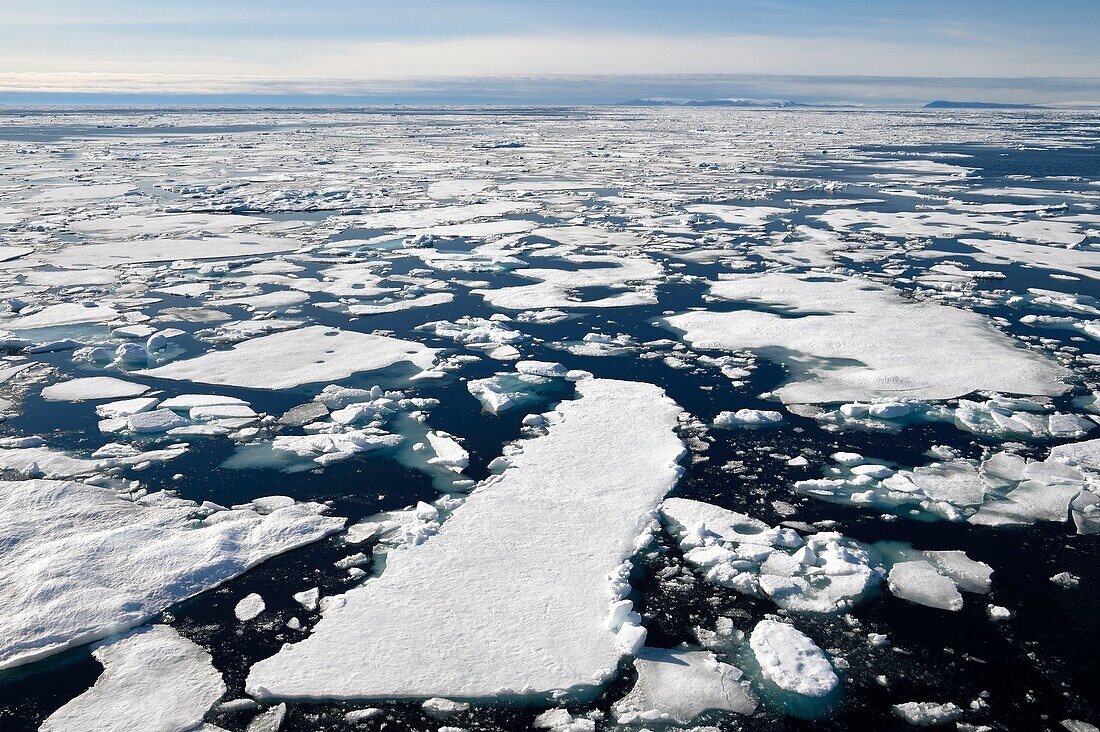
pixel 451 617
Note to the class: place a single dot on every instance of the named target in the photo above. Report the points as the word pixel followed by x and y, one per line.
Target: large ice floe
pixel 849 339
pixel 296 357
pixel 522 591
pixel 153 679
pixel 81 562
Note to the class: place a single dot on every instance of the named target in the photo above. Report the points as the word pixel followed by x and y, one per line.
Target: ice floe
pixel 295 357
pixel 153 679
pixel 451 616
pixel 81 562
pixel 847 339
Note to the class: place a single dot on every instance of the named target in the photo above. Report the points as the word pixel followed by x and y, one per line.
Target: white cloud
pixel 194 65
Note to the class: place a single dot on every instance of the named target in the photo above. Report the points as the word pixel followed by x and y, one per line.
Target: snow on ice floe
pixel 451 616
pixel 1005 489
pixel 677 685
pixel 790 660
pixel 848 339
pixel 153 679
pixel 295 357
pixel 825 572
pixel 169 250
pixel 555 286
pixel 82 562
pixel 92 387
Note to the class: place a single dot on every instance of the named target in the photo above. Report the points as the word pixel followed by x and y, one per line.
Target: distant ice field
pixel 570 420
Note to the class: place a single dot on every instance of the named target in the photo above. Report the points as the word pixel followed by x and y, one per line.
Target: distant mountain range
pixel 943 104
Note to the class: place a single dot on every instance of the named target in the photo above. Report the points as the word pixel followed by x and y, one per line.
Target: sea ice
pixel 451 617
pixel 677 685
pixel 92 387
pixel 790 660
pixel 153 680
pixel 295 357
pixel 80 562
pixel 848 339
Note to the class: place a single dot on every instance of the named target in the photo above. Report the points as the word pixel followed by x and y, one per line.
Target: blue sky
pixel 498 50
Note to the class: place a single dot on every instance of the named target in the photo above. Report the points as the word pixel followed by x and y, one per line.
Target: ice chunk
pixel 677 685
pixel 927 714
pixel 249 607
pixel 748 417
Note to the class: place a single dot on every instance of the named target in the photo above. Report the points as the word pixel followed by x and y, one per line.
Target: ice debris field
pixel 554 419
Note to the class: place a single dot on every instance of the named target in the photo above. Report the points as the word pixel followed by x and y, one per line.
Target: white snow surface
pixel 295 357
pixel 92 387
pixel 512 597
pixel 79 562
pixel 856 340
pixel 790 660
pixel 153 680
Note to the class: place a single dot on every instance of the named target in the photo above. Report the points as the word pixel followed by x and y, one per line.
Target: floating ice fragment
pixel 677 685
pixel 927 714
pixel 790 660
pixel 249 607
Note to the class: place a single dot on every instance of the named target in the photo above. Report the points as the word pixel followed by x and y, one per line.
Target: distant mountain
pixel 943 104
pixel 755 103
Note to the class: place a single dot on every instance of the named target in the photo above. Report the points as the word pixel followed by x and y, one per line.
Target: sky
pixel 550 51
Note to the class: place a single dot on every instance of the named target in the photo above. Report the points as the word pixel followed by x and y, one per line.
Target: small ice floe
pixel 152 679
pixel 748 418
pixel 249 607
pixel 790 660
pixel 927 714
pixel 631 276
pixel 92 387
pixel 677 685
pixel 116 560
